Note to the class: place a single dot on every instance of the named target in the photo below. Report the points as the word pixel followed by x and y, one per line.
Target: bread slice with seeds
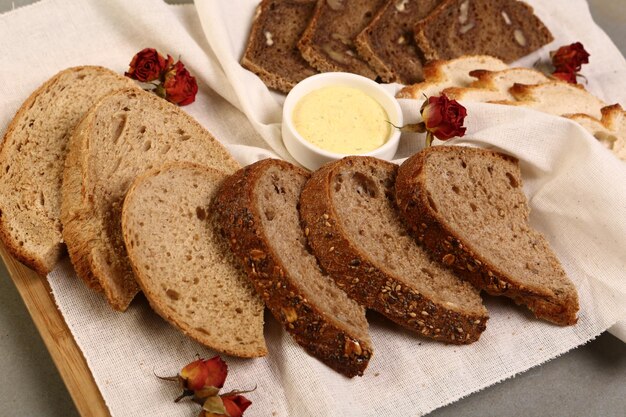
pixel 32 155
pixel 258 211
pixel 128 132
pixel 194 282
pixel 354 229
pixel 387 43
pixel 271 52
pixel 467 207
pixel 328 41
pixel 506 29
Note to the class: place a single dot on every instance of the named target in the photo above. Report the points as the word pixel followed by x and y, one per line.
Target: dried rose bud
pixel 231 405
pixel 443 118
pixel 148 65
pixel 203 378
pixel 179 86
pixel 569 58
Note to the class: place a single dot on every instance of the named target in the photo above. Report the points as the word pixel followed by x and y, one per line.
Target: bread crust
pixel 448 248
pixel 40 264
pixel 240 219
pixel 368 283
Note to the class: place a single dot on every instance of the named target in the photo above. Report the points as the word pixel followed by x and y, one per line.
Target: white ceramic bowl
pixel 311 156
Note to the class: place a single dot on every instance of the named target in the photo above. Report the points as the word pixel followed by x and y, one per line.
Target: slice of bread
pixel 328 41
pixel 387 43
pixel 125 134
pixel 271 52
pixel 258 211
pixel 32 155
pixel 353 227
pixel 467 207
pixel 440 75
pixel 495 85
pixel 507 29
pixel 184 267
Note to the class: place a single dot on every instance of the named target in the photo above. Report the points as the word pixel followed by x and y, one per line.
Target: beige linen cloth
pixel 575 188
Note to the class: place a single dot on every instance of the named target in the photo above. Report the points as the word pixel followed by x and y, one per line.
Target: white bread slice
pixel 184 266
pixel 32 156
pixel 125 134
pixel 439 75
pixel 495 85
pixel 558 98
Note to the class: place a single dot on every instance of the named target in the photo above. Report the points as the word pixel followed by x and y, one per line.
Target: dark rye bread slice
pixel 125 134
pixel 259 215
pixel 388 45
pixel 467 206
pixel 506 29
pixel 348 212
pixel 184 267
pixel 271 52
pixel 328 41
pixel 31 160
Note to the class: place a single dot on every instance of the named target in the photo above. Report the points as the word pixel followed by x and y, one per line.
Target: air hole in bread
pixel 364 185
pixel 463 164
pixel 200 213
pixel 456 189
pixel 147 145
pixel 269 214
pixel 117 127
pixel 473 207
pixel 185 137
pixel 490 169
pixel 142 129
pixel 172 294
pixel 512 180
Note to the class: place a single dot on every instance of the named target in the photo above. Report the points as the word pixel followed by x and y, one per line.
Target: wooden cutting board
pixel 67 357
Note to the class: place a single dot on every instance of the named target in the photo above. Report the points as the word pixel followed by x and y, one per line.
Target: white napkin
pixel 572 183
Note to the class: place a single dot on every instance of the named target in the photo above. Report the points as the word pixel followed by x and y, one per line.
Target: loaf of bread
pixel 354 229
pixel 272 51
pixel 128 132
pixel 506 29
pixel 184 266
pixel 467 207
pixel 258 211
pixel 328 41
pixel 32 155
pixel 388 45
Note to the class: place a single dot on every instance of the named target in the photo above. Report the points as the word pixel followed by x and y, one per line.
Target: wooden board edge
pixel 65 353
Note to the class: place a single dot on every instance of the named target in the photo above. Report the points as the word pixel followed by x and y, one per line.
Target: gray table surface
pixel 587 381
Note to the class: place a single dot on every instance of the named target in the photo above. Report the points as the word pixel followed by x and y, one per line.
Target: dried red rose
pixel 148 65
pixel 443 118
pixel 204 377
pixel 569 58
pixel 231 405
pixel 180 87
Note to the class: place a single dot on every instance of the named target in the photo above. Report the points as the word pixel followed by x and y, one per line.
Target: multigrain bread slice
pixel 387 43
pixel 328 41
pixel 348 212
pixel 467 207
pixel 125 134
pixel 32 155
pixel 184 266
pixel 507 29
pixel 271 52
pixel 258 211
pixel 440 75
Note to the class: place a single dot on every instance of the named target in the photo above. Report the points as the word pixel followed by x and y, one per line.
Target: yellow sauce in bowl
pixel 341 120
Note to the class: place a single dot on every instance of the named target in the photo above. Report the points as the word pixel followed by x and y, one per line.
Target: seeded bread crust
pixel 35 144
pixel 461 27
pixel 366 281
pixel 207 297
pixel 387 43
pixel 445 245
pixel 271 52
pixel 328 41
pixel 234 205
